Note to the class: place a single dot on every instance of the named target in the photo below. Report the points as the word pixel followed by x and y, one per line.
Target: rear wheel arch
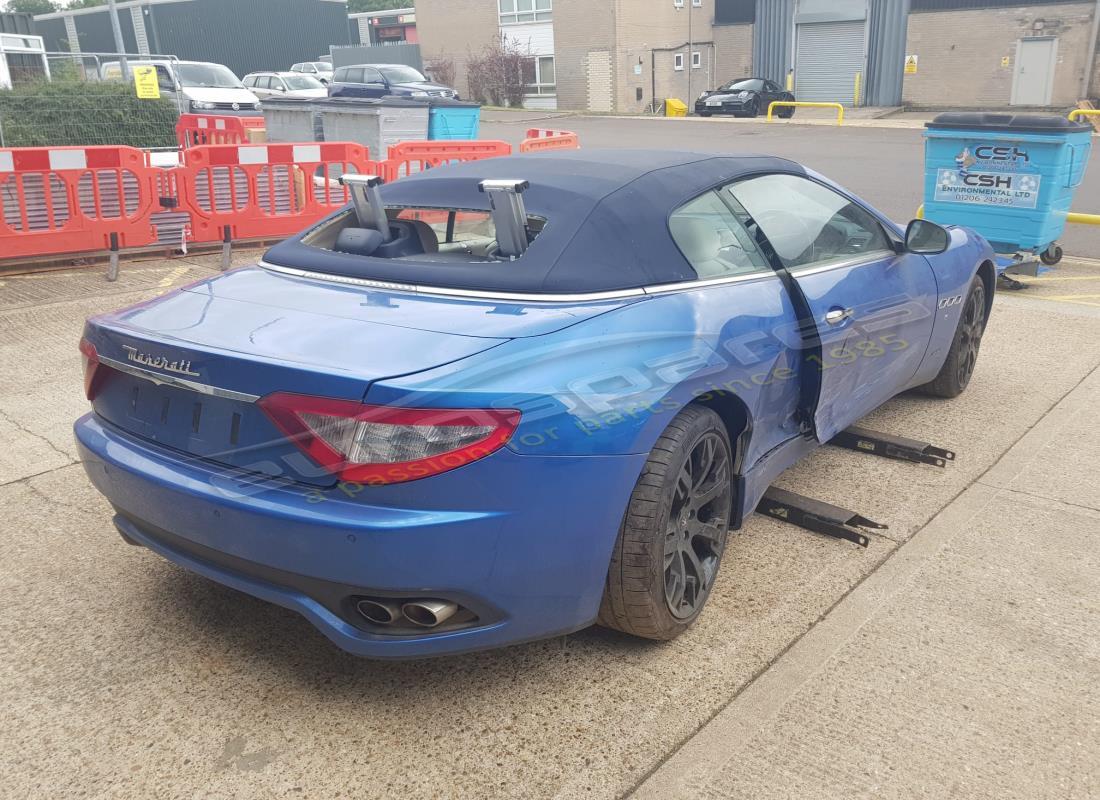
pixel 736 417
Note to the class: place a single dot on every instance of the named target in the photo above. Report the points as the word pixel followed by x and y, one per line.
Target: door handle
pixel 838 315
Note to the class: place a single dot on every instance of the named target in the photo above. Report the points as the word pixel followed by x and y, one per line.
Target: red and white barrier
pixel 541 139
pixel 408 158
pixel 265 191
pixel 193 130
pixel 65 200
pixel 57 200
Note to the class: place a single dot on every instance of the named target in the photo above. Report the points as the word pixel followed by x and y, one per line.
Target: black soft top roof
pixel 606 210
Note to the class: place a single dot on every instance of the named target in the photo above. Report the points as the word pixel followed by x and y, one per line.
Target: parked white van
pixel 198 87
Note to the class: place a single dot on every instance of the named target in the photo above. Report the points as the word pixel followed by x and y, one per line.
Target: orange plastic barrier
pixel 57 200
pixel 408 158
pixel 193 130
pixel 265 191
pixel 539 139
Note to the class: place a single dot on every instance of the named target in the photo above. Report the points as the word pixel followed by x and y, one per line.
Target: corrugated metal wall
pixel 16 23
pixel 245 35
pixel 249 35
pixel 886 52
pixel 954 5
pixel 771 39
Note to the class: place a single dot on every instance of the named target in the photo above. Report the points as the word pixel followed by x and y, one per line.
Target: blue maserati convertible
pixel 509 399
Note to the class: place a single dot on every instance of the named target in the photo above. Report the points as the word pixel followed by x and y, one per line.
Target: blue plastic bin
pixel 1010 177
pixel 453 119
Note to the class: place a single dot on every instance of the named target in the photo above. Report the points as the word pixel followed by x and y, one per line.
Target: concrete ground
pixel 956 656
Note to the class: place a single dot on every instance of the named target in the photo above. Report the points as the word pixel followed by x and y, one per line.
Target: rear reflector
pixel 91 368
pixel 374 445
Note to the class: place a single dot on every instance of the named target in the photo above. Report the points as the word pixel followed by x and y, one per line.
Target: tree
pixel 496 74
pixel 30 6
pixel 356 6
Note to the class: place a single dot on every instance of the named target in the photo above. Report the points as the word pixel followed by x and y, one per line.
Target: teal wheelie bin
pixel 1010 177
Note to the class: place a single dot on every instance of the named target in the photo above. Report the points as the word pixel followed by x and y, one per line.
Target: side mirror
pixel 926 238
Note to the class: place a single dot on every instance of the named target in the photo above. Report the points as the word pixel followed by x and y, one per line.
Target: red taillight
pixel 367 444
pixel 91 367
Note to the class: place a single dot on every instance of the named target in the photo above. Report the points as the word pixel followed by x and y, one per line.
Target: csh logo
pixel 988 181
pixel 987 152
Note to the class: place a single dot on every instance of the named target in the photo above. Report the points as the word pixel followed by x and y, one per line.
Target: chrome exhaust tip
pixel 378 611
pixel 428 613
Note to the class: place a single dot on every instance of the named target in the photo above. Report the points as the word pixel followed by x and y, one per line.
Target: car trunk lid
pixel 185 370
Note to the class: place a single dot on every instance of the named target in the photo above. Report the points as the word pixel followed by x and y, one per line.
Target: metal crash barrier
pixel 805 104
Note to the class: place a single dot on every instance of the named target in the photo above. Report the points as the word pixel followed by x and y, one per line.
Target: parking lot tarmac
pixel 885 166
pixel 124 676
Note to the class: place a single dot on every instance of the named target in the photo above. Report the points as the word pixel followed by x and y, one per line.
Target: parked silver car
pixel 321 70
pixel 294 85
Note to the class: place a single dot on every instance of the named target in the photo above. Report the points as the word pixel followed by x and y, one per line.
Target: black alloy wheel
pixel 670 545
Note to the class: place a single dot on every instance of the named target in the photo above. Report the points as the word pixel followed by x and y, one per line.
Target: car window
pixel 807 223
pixel 771 87
pixel 302 82
pixel 207 76
pixel 713 240
pixel 744 85
pixel 371 75
pixel 355 75
pixel 277 83
pixel 249 80
pixel 340 74
pixel 401 74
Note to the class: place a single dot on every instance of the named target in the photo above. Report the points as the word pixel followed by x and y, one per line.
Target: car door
pixel 773 93
pixel 374 85
pixel 872 305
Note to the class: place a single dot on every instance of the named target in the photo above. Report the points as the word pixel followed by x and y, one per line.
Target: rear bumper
pixel 523 540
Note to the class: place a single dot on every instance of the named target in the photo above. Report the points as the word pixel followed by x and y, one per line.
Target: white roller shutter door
pixel 827 58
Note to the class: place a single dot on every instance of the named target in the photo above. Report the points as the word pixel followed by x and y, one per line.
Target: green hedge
pixel 78 113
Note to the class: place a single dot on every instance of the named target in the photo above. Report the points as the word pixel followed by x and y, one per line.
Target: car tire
pixel 958 368
pixel 785 112
pixel 753 109
pixel 704 113
pixel 655 589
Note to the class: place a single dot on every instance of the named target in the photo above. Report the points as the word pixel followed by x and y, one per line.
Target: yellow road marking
pixel 1057 278
pixel 1073 299
pixel 173 276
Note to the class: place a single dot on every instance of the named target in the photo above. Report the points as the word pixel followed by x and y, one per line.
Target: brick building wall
pixel 454 29
pixel 732 52
pixel 581 27
pixel 961 53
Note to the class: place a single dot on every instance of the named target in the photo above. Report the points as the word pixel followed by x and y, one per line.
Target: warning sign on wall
pixel 911 65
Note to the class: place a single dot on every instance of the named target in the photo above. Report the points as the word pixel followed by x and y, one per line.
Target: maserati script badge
pixel 180 367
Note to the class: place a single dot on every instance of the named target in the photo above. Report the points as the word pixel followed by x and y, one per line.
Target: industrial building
pixel 391 27
pixel 612 55
pixel 245 35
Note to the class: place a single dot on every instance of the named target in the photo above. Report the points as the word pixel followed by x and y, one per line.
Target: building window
pixel 697 3
pixel 538 75
pixel 512 11
pixel 678 61
pixel 696 60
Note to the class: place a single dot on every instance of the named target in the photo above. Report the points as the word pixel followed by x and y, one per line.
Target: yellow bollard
pixel 859 87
